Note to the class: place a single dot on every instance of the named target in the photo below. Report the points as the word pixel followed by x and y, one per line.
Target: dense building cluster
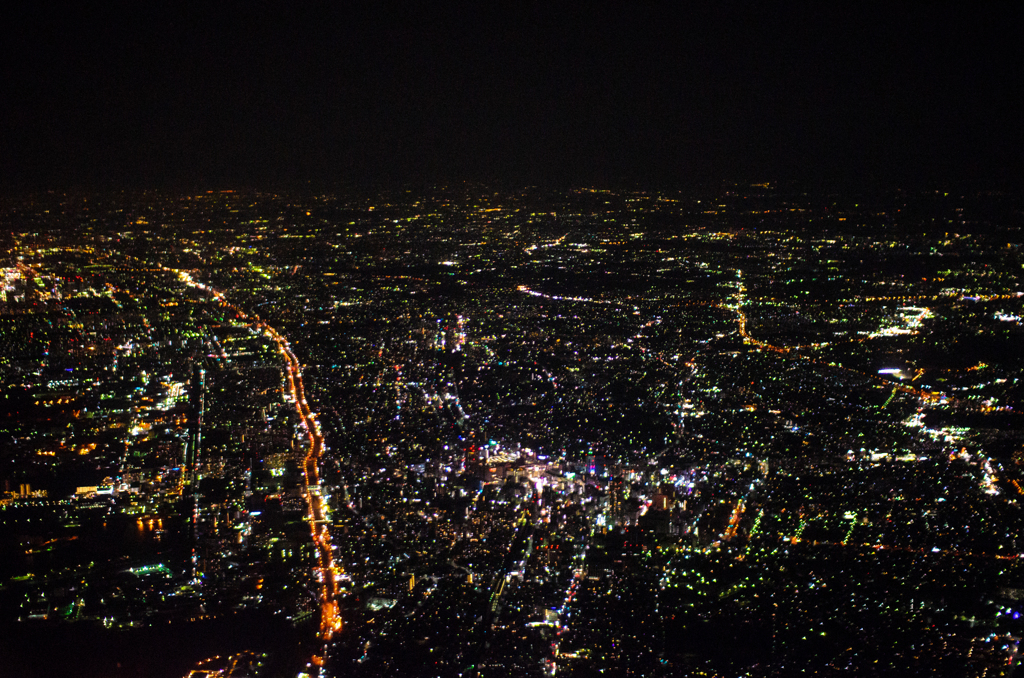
pixel 465 432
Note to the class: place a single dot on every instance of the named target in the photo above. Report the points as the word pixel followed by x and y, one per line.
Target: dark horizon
pixel 267 96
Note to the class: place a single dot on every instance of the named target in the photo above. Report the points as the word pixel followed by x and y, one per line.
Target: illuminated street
pixel 511 341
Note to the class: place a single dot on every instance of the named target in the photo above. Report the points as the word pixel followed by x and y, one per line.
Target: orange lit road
pixel 327 572
pixel 734 520
pixel 330 622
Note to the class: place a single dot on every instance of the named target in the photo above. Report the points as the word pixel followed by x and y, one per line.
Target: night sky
pixel 274 94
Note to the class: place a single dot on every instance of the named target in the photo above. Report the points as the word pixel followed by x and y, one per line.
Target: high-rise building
pixel 616 496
